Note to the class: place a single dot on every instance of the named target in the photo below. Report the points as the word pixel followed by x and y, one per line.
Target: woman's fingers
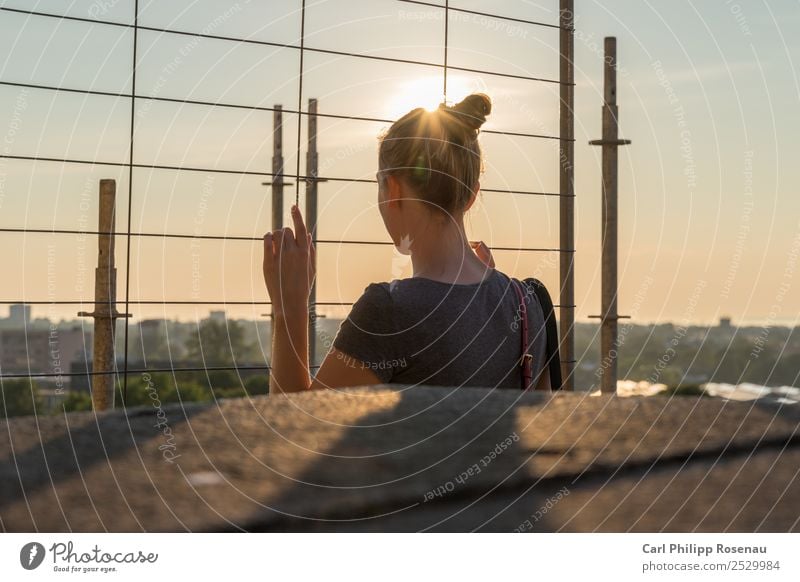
pixel 269 252
pixel 299 226
pixel 283 241
pixel 289 265
pixel 312 259
pixel 277 242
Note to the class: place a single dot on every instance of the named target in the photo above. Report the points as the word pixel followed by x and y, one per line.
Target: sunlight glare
pixel 426 92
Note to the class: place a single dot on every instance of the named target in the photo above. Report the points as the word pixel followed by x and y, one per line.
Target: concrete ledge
pixel 389 458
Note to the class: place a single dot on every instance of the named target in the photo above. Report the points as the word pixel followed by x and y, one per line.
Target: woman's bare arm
pixel 289 268
pixel 339 370
pixel 290 363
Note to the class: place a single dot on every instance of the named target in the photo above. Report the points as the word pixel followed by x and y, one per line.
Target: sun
pixel 428 92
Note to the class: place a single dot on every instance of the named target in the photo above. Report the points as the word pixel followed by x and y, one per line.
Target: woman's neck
pixel 442 253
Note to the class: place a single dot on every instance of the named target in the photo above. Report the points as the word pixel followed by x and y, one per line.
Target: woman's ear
pixel 474 196
pixel 394 190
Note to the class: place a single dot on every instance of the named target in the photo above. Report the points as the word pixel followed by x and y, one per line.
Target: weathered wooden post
pixel 105 302
pixel 278 182
pixel 609 143
pixel 312 179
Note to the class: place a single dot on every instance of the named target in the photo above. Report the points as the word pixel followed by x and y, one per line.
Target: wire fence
pixel 129 28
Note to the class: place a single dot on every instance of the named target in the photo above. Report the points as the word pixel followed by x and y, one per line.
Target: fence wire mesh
pixel 174 101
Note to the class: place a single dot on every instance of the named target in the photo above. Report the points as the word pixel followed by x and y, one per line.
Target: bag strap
pixel 526 359
pixel 553 358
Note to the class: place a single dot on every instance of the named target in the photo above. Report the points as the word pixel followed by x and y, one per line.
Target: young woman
pixel 456 321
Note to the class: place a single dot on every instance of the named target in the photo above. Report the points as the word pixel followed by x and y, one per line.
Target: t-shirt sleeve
pixel 367 335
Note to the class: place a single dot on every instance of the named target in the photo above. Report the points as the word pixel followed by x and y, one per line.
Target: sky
pixel 708 93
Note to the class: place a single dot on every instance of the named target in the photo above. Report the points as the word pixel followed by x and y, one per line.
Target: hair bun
pixel 470 114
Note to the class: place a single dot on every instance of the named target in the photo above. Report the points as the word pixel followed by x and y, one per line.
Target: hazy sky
pixel 708 92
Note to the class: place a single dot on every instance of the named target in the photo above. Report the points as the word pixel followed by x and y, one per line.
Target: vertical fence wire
pixel 567 191
pixel 446 39
pixel 130 204
pixel 300 100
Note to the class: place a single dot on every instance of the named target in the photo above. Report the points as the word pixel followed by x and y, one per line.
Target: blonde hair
pixel 437 152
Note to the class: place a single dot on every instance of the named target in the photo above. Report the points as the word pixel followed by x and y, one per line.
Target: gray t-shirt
pixel 420 331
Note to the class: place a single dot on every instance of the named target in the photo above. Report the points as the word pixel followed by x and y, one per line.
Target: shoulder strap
pixel 553 358
pixel 526 359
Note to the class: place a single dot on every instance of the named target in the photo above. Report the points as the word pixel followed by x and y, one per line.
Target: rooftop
pixel 394 459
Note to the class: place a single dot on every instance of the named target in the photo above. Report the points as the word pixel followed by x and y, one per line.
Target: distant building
pixel 151 331
pixel 21 350
pixel 19 315
pixel 151 342
pixel 42 351
pixel 725 323
pixel 218 316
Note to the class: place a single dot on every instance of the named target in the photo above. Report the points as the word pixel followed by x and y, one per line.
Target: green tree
pixel 187 391
pixel 19 398
pixel 77 401
pixel 140 388
pixel 147 389
pixel 223 379
pixel 219 343
pixel 258 384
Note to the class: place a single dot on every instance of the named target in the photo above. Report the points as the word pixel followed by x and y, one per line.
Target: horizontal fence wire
pixel 478 13
pixel 242 238
pixel 259 108
pixel 417 2
pixel 243 173
pixel 304 48
pixel 135 371
pixel 130 165
pixel 175 302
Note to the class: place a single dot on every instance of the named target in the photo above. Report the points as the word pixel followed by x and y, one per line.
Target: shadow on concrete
pixel 85 441
pixel 428 463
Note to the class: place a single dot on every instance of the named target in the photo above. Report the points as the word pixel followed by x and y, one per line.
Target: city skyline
pixel 748 359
